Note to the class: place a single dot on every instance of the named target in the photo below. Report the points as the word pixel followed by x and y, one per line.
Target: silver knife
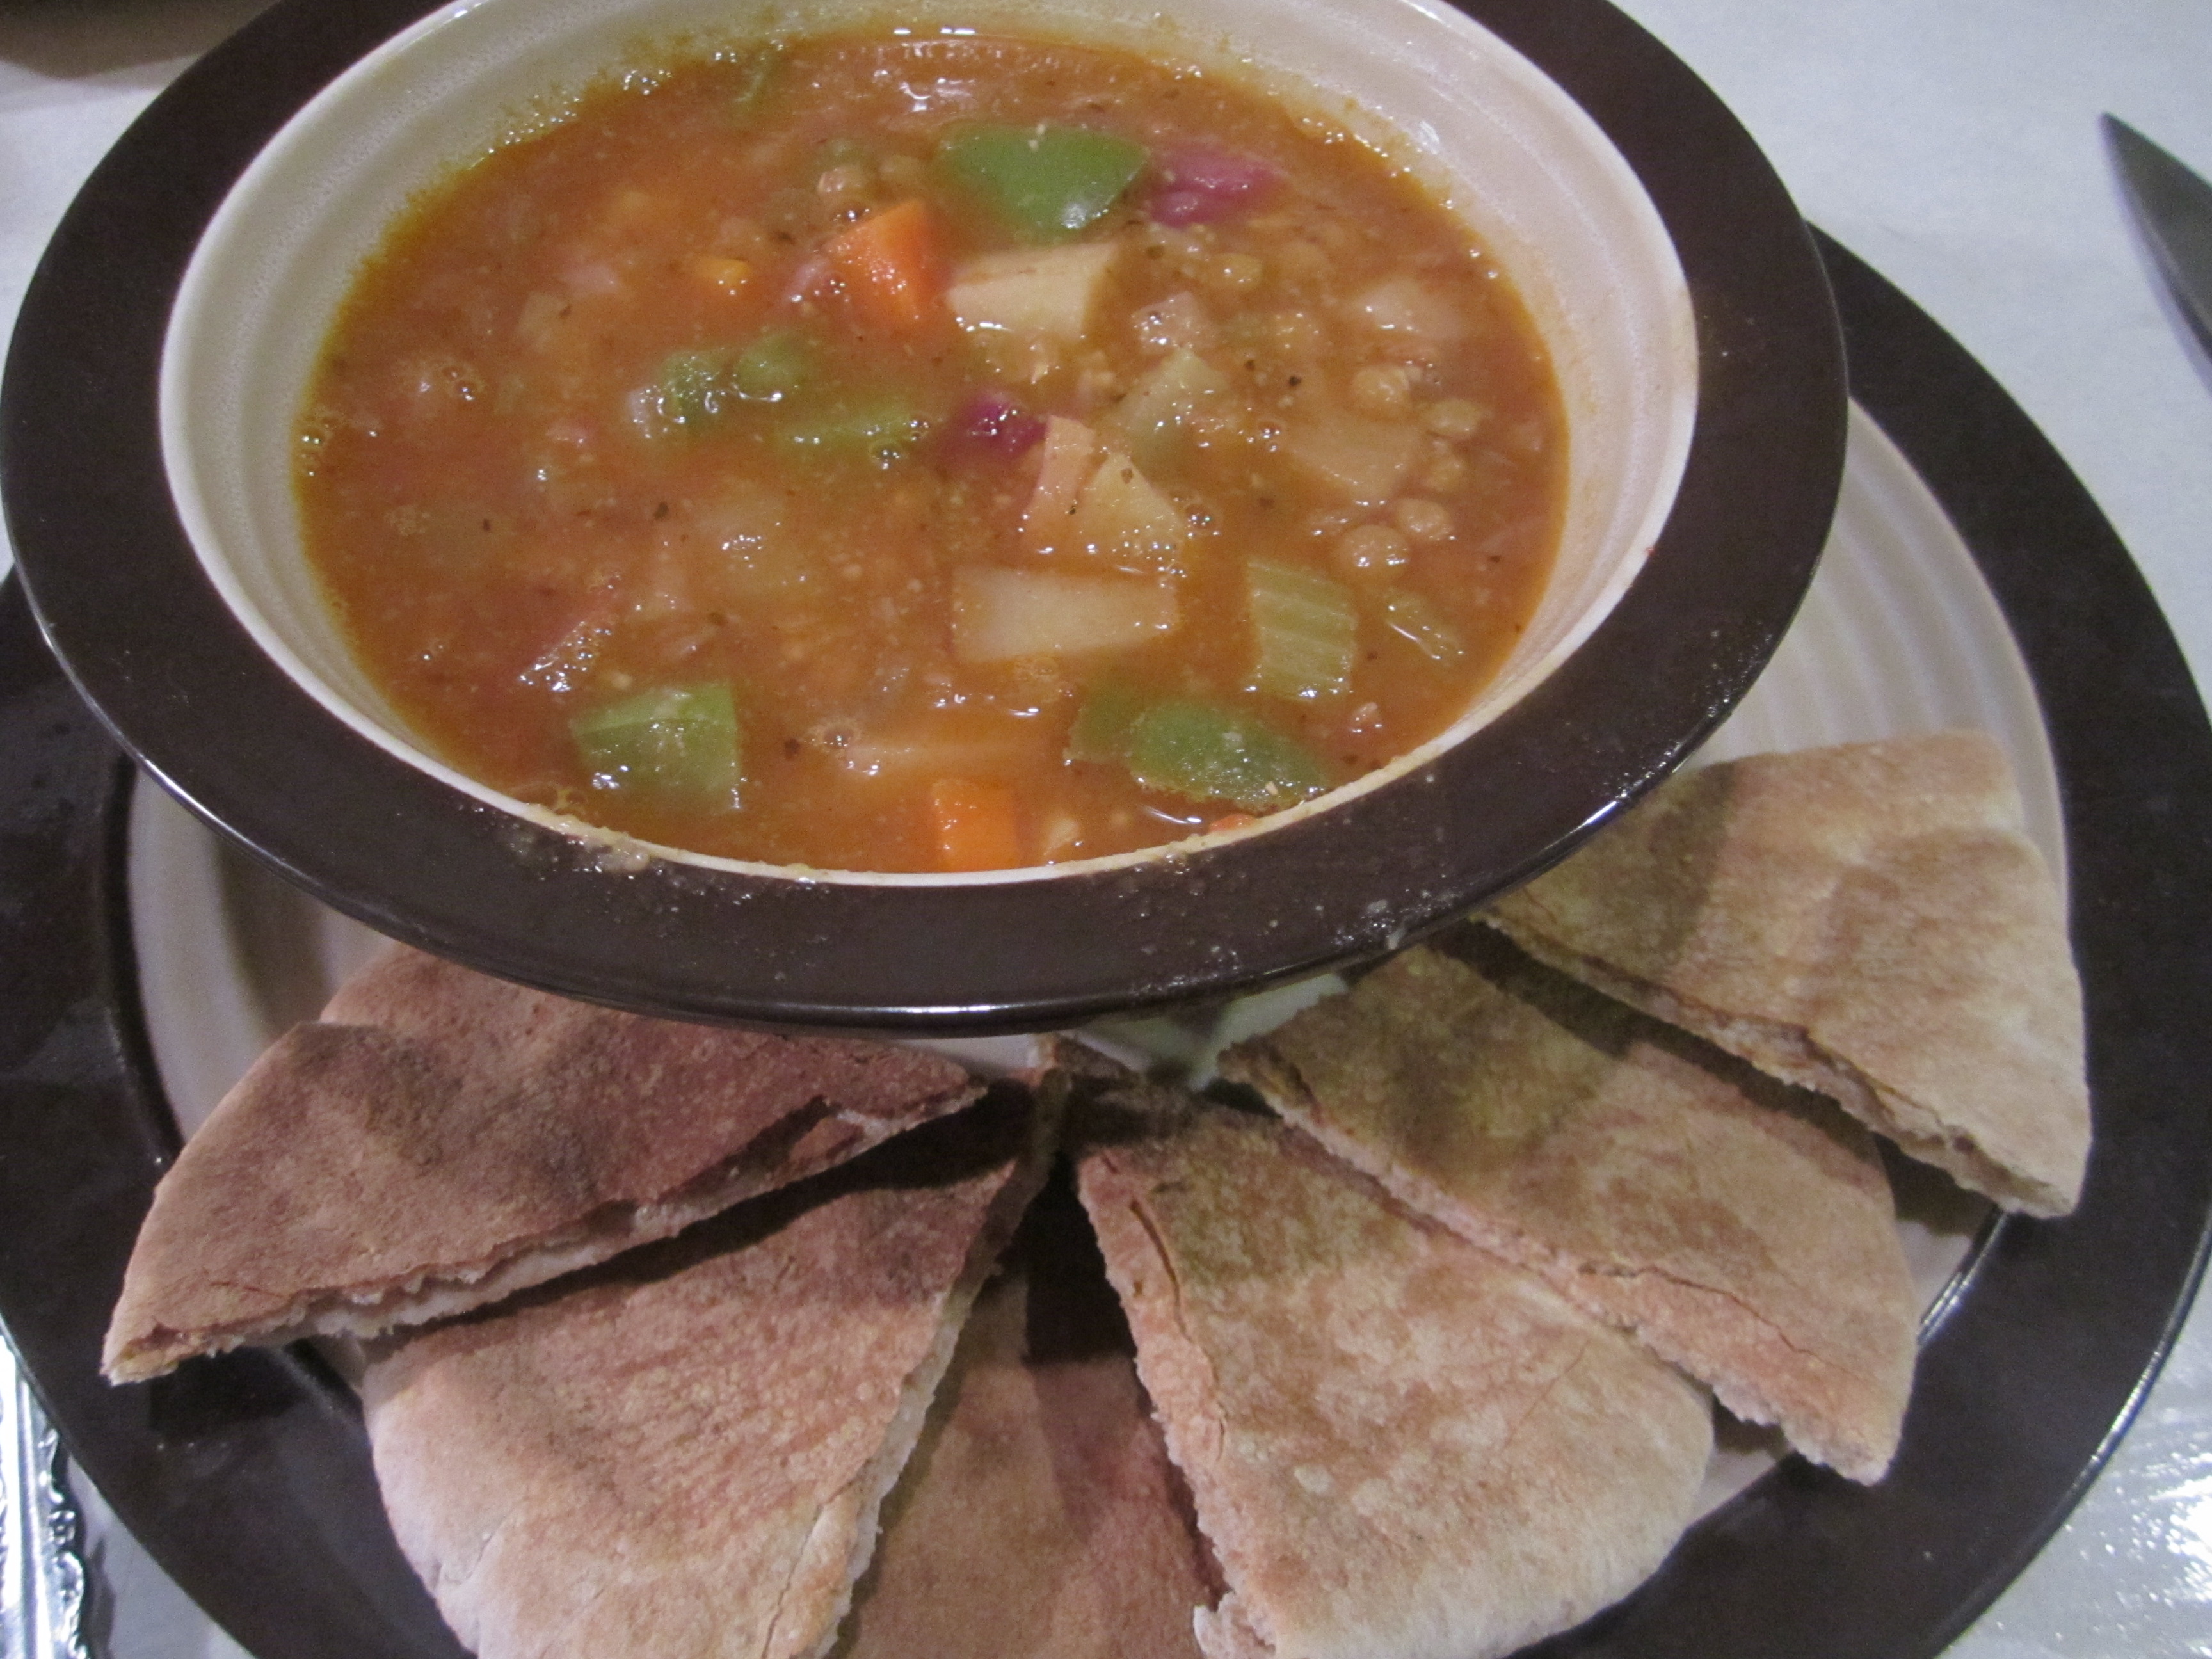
pixel 2172 208
pixel 42 1575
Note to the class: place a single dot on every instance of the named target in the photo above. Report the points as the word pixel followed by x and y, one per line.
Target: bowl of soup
pixel 962 517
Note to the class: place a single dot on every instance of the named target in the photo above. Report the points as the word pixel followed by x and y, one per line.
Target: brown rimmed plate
pixel 248 1478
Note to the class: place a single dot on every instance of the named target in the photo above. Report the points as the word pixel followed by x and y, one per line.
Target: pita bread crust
pixel 1395 1442
pixel 1868 920
pixel 1745 1231
pixel 442 1138
pixel 1041 1491
pixel 683 1455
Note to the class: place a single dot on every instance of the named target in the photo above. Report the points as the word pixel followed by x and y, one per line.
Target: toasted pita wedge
pixel 1396 1444
pixel 681 1453
pixel 1744 1229
pixel 1040 1517
pixel 441 1139
pixel 1867 921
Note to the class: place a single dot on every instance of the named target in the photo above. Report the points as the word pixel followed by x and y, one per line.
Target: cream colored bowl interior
pixel 1535 178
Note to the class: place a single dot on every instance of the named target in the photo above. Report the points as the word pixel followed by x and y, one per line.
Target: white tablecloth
pixel 1954 146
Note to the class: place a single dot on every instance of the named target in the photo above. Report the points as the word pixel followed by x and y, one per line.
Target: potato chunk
pixel 1000 615
pixel 1365 461
pixel 1033 293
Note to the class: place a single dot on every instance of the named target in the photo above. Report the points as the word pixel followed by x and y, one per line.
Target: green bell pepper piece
pixel 1046 183
pixel 1184 746
pixel 1103 724
pixel 880 427
pixel 679 742
pixel 696 387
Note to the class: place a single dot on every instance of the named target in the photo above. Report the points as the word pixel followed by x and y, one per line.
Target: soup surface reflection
pixel 942 453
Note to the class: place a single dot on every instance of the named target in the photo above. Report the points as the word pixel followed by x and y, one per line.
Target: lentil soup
pixel 929 454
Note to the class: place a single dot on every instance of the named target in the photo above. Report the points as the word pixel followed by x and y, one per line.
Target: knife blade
pixel 42 1569
pixel 2172 208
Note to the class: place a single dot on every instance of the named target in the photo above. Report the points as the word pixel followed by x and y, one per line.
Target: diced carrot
pixel 728 276
pixel 1228 821
pixel 975 824
pixel 892 266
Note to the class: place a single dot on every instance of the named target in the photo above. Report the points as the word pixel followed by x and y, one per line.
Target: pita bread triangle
pixel 1041 1490
pixel 441 1139
pixel 682 1452
pixel 1395 1443
pixel 1868 920
pixel 1743 1230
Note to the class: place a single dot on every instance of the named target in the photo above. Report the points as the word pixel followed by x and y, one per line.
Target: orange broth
pixel 815 454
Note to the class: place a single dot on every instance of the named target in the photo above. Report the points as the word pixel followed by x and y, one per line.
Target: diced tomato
pixel 892 266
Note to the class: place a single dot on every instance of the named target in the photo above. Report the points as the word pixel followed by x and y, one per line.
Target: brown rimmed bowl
pixel 151 390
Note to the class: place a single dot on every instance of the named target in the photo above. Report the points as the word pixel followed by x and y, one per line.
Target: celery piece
pixel 680 743
pixel 773 368
pixel 690 387
pixel 1412 618
pixel 881 428
pixel 1154 419
pixel 1103 724
pixel 1206 751
pixel 1046 183
pixel 1305 633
